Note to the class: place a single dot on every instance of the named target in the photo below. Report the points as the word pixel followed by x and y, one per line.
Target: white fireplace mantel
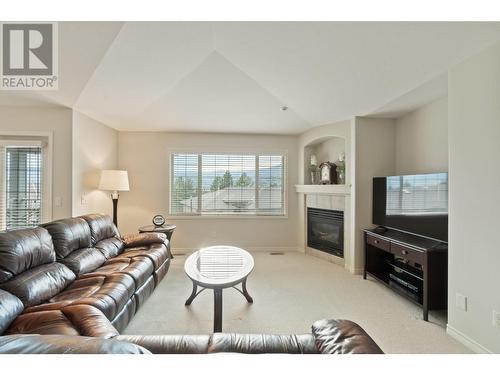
pixel 323 189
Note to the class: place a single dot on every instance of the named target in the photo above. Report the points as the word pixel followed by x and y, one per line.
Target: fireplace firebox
pixel 325 231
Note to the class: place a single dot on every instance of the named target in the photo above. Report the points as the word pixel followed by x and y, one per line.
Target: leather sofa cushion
pixel 10 308
pixel 262 343
pixel 23 249
pixel 110 247
pixel 79 320
pixel 84 260
pixel 343 337
pixel 57 344
pixel 144 239
pixel 69 235
pixel 107 293
pixel 101 227
pixel 39 284
pixel 224 343
pixel 156 252
pixel 170 344
pixel 139 268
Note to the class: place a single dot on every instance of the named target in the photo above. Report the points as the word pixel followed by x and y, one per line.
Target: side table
pixel 167 229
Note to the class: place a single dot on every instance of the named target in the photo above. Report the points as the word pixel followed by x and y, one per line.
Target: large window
pixel 215 184
pixel 20 187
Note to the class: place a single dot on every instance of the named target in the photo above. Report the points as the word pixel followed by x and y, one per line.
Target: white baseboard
pixel 252 249
pixel 467 341
pixel 357 271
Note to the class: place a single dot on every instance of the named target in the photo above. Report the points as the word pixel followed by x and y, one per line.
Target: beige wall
pixel 95 147
pixel 330 150
pixel 422 139
pixel 374 148
pixel 474 172
pixel 146 157
pixel 58 122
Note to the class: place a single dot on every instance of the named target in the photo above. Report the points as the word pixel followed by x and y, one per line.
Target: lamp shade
pixel 114 180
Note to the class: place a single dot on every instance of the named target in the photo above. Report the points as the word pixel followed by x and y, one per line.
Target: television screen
pixel 414 203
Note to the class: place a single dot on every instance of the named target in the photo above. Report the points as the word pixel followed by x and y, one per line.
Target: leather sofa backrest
pixel 69 235
pixel 72 243
pixel 39 284
pixel 24 249
pixel 101 227
pixel 28 268
pixel 59 344
pixel 343 337
pixel 10 308
pixel 104 235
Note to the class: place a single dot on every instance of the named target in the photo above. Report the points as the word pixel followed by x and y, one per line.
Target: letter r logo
pixel 27 49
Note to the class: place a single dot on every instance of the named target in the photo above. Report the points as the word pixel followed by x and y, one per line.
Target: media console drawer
pixel 407 253
pixel 378 242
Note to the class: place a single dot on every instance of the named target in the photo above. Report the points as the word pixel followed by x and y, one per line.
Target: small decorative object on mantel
pixel 328 174
pixel 158 220
pixel 313 169
pixel 341 169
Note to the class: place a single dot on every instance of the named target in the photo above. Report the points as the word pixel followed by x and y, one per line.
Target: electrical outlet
pixel 461 301
pixel 58 201
pixel 214 234
pixel 83 200
pixel 496 318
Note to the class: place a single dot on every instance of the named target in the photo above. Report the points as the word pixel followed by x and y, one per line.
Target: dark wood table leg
pixel 364 252
pixel 426 289
pixel 245 292
pixel 193 294
pixel 169 252
pixel 169 238
pixel 217 310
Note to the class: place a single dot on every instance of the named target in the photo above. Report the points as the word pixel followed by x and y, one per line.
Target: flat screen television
pixel 415 204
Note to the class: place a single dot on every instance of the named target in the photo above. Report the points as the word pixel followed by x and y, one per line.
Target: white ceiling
pixel 234 77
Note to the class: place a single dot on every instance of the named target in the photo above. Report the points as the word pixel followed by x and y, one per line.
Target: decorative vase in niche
pixel 341 169
pixel 314 177
pixel 340 176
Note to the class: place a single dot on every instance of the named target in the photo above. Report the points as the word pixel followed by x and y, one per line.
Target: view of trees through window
pixel 222 183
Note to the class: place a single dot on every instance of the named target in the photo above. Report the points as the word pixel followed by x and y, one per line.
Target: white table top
pixel 219 266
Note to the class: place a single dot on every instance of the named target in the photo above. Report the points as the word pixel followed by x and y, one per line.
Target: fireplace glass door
pixel 325 230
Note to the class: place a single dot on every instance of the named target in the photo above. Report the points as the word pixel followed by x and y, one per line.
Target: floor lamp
pixel 115 181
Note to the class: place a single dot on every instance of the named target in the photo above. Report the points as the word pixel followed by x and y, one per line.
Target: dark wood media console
pixel 413 266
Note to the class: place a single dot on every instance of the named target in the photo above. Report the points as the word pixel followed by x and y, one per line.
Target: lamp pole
pixel 115 197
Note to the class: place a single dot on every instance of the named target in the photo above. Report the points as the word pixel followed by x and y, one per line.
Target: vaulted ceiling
pixel 235 77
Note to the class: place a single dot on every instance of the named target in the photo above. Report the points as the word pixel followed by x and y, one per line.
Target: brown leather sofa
pixel 72 285
pixel 62 267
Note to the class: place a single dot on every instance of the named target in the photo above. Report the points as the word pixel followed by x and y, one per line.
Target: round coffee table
pixel 219 267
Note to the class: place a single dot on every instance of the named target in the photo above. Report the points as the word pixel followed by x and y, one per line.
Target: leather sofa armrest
pixel 170 344
pixel 59 344
pixel 144 239
pixel 343 337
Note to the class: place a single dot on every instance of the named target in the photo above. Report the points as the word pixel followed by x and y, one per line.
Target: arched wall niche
pixel 326 148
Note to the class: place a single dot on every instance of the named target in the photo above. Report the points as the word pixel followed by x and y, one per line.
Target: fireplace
pixel 325 230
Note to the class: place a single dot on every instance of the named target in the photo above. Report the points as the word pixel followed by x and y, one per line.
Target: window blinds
pixel 20 187
pixel 213 183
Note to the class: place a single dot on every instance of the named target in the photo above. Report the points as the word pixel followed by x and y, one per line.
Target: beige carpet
pixel 290 292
